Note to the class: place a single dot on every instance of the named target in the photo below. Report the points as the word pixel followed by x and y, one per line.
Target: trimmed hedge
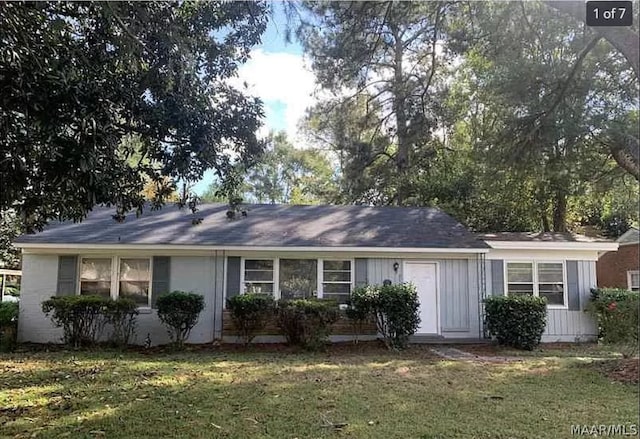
pixel 616 311
pixel 395 309
pixel 250 313
pixel 179 312
pixel 8 325
pixel 517 321
pixel 307 322
pixel 83 318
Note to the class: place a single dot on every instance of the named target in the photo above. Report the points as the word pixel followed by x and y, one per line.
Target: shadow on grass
pixel 257 394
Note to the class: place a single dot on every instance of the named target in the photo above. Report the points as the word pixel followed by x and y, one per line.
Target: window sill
pixel 566 308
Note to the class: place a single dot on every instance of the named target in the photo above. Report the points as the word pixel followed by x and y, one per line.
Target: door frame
pixel 437 265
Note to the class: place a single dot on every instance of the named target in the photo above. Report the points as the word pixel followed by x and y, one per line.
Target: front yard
pixel 362 392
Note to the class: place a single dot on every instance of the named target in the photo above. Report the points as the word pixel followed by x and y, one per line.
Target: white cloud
pixel 280 79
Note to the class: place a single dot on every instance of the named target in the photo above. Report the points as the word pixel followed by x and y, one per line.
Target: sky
pixel 277 74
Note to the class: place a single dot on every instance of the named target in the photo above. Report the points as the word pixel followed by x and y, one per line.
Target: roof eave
pixel 66 246
pixel 545 245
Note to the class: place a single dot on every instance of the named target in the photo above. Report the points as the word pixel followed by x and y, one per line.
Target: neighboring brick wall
pixel 612 267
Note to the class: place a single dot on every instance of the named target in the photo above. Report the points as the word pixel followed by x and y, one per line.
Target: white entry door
pixel 423 276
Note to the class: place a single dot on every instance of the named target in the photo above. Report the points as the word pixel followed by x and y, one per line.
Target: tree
pixel 387 54
pixel 285 174
pixel 79 79
pixel 10 228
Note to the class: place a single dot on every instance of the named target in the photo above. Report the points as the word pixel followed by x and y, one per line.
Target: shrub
pixel 81 317
pixel 179 312
pixel 121 315
pixel 307 322
pixel 395 309
pixel 8 325
pixel 359 310
pixel 616 311
pixel 516 321
pixel 250 313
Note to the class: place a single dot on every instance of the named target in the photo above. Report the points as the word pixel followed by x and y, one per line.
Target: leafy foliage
pixel 616 311
pixel 121 314
pixel 10 228
pixel 395 309
pixel 8 325
pixel 516 321
pixel 179 312
pixel 359 311
pixel 307 322
pixel 250 313
pixel 82 80
pixel 80 317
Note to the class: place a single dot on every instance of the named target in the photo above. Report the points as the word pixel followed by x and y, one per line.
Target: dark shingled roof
pixel 539 237
pixel 631 236
pixel 269 226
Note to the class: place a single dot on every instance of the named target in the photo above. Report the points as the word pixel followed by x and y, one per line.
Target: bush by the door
pixel 179 312
pixel 516 321
pixel 395 309
pixel 250 313
pixel 307 322
pixel 616 311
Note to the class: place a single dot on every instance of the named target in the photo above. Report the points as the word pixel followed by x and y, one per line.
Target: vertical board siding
pixel 458 291
pixel 360 272
pixel 218 292
pixel 67 275
pixel 497 276
pixel 570 324
pixel 378 270
pixel 233 276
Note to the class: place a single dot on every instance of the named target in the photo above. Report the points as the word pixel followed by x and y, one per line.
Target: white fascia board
pixel 532 245
pixel 35 247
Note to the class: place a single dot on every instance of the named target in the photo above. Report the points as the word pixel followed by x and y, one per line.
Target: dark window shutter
pixel 233 276
pixel 67 275
pixel 360 272
pixel 573 290
pixel 497 277
pixel 160 282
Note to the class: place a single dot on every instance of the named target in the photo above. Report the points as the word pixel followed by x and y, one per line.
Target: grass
pixel 370 392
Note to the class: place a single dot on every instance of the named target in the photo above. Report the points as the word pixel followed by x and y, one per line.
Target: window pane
pixel 548 273
pixel 337 276
pixel 515 289
pixel 99 288
pixel 519 272
pixel 134 280
pixel 96 269
pixel 298 278
pixel 253 276
pixel 259 288
pixel 138 291
pixel 258 264
pixel 336 265
pixel 134 269
pixel 554 297
pixel 635 280
pixel 336 289
pixel 95 277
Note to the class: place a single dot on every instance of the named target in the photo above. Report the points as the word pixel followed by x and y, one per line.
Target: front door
pixel 423 276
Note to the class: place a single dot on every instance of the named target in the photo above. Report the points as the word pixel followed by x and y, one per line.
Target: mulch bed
pixel 626 370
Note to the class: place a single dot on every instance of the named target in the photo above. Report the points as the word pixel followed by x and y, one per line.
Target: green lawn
pixel 377 394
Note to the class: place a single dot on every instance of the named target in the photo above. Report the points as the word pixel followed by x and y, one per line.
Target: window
pixel 259 276
pixel 520 279
pixel 543 279
pixel 298 278
pixel 336 280
pixel 117 277
pixel 135 277
pixel 633 280
pixel 95 276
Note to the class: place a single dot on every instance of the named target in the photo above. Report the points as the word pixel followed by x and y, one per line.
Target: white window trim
pixel 536 284
pixel 276 273
pixel 115 274
pixel 630 274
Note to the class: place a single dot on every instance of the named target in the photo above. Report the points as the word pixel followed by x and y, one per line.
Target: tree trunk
pixel 625 150
pixel 560 212
pixel 399 101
